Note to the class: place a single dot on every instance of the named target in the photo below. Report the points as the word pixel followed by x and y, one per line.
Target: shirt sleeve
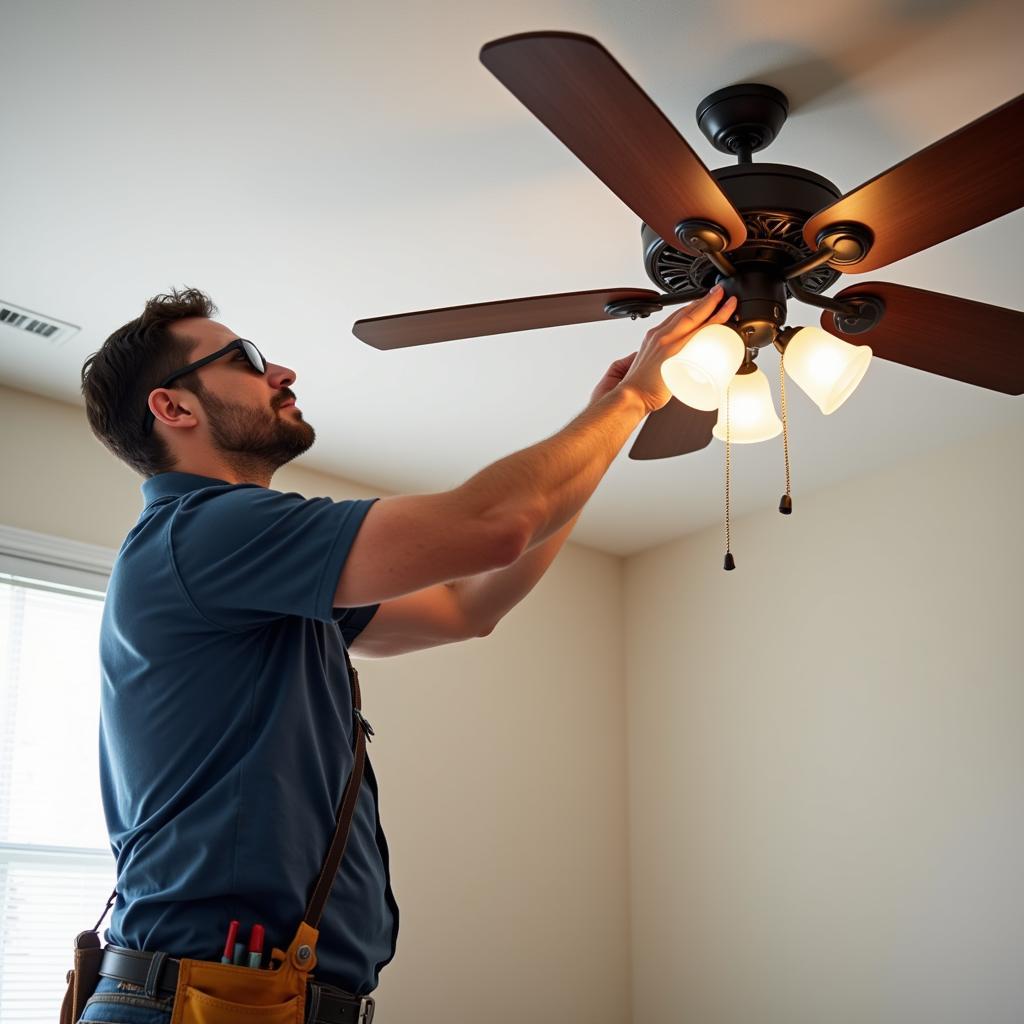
pixel 246 555
pixel 352 621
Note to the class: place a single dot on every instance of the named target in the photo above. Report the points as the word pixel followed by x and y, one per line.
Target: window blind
pixel 45 900
pixel 56 868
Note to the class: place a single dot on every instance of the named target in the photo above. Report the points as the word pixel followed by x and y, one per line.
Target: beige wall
pixel 827 756
pixel 501 761
pixel 825 811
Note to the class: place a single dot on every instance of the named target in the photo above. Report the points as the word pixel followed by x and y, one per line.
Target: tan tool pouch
pixel 212 993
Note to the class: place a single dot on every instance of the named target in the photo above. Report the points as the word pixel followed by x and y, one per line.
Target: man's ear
pixel 174 408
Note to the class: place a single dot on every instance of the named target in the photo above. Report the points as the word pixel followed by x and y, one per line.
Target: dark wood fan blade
pixel 675 429
pixel 433 325
pixel 958 183
pixel 956 338
pixel 583 95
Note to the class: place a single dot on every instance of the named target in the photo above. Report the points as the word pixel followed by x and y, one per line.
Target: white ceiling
pixel 311 163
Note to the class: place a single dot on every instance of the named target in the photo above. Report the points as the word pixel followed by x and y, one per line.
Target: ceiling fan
pixel 766 232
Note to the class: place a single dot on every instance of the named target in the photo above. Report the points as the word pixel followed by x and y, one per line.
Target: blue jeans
pixel 121 1002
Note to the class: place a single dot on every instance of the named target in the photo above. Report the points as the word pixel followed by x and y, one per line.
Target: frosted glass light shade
pixel 700 373
pixel 751 411
pixel 826 368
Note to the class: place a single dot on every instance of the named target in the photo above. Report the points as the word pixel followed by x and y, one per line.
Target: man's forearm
pixel 551 481
pixel 488 597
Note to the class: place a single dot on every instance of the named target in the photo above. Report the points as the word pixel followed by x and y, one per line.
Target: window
pixel 56 867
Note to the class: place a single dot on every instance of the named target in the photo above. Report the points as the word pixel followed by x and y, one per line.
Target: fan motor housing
pixel 774 200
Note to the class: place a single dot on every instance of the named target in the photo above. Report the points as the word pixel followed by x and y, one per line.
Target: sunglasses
pixel 252 353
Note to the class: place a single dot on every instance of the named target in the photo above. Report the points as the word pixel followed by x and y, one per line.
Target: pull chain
pixel 730 562
pixel 786 501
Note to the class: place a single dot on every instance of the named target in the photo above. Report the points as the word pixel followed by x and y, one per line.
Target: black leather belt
pixel 157 974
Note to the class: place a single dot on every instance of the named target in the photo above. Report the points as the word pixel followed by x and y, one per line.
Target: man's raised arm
pixel 410 542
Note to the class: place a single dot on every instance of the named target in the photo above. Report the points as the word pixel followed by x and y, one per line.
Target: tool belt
pixel 158 975
pixel 207 992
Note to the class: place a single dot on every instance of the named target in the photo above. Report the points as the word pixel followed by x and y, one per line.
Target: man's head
pixel 224 417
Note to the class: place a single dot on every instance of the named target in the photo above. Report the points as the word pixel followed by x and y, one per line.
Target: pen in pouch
pixel 229 945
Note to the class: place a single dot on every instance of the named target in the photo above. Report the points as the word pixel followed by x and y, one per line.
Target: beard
pixel 258 440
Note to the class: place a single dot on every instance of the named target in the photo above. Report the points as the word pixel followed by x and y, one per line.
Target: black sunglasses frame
pixel 252 353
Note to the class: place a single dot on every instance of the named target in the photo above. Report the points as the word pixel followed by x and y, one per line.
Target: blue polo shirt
pixel 226 728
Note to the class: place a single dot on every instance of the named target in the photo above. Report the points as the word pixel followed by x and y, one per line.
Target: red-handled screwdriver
pixel 256 946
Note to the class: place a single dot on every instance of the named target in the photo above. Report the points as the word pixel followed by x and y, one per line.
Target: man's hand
pixel 613 378
pixel 642 369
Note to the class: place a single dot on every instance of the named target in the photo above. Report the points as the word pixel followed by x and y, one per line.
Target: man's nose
pixel 280 376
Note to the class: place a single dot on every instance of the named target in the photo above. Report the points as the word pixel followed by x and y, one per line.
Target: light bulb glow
pixel 752 416
pixel 699 374
pixel 827 369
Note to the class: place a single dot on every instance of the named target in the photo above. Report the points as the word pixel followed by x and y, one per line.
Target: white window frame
pixel 63 562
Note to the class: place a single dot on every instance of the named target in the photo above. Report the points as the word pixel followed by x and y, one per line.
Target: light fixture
pixel 826 368
pixel 751 411
pixel 699 374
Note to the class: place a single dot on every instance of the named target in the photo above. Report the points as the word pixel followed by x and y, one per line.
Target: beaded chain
pixel 730 562
pixel 786 502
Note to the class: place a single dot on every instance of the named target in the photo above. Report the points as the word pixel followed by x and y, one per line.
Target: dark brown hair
pixel 117 380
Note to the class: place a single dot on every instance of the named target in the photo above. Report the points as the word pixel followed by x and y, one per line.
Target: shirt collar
pixel 165 485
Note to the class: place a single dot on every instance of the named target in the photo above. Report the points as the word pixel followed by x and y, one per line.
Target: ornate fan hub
pixel 775 200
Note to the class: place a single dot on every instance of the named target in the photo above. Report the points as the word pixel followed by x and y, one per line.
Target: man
pixel 226 717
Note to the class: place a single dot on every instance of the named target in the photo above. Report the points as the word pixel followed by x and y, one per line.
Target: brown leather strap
pixel 110 903
pixel 348 805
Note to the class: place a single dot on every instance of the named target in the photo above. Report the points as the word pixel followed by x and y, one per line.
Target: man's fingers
pixel 724 311
pixel 691 317
pixel 696 307
pixel 685 326
pixel 698 313
pixel 699 307
pixel 719 316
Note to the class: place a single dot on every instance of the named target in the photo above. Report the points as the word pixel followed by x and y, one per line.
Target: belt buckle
pixel 365 1010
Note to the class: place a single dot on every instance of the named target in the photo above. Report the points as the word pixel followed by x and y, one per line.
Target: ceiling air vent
pixel 55 331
